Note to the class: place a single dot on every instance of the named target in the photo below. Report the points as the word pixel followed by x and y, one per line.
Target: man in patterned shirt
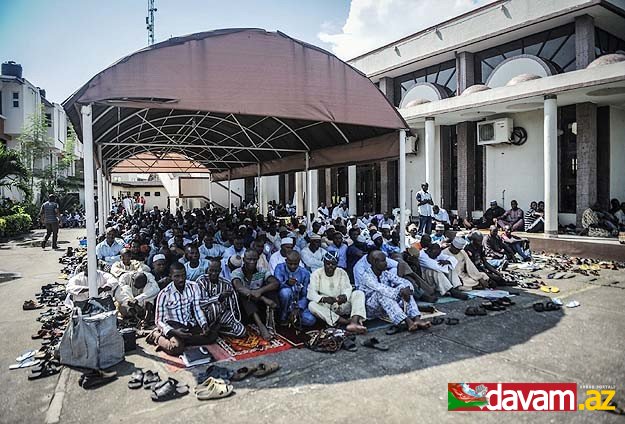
pixel 219 302
pixel 180 321
pixel 387 294
pixel 258 293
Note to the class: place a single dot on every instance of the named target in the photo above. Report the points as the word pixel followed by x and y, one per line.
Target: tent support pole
pixel 309 205
pixel 402 189
pixel 229 194
pixel 100 181
pixel 87 138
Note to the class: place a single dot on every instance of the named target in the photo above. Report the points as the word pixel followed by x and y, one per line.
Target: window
pixel 157 194
pixel 567 152
pixel 443 74
pixel 556 46
pixel 606 43
pixel 146 194
pixel 16 99
pixel 136 194
pixel 49 120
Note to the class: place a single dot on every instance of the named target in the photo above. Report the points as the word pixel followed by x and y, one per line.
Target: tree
pixel 35 142
pixel 68 157
pixel 13 173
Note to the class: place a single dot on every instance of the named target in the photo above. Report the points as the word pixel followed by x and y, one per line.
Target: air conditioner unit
pixel 412 145
pixel 494 132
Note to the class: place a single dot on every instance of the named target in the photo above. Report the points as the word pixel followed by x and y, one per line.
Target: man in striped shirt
pixel 179 318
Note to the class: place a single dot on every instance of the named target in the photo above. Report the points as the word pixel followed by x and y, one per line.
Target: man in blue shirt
pixel 108 250
pixel 340 248
pixel 294 280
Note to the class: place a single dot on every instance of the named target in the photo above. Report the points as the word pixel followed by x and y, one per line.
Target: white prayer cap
pixel 385 227
pixel 459 243
pixel 440 227
pixel 315 236
pixel 159 257
pixel 286 240
pixel 235 261
pixel 242 226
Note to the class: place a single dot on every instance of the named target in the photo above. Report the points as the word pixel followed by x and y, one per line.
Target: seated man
pixel 258 294
pixel 279 257
pixel 475 250
pixel 596 224
pixel 439 234
pixel 259 245
pixel 412 237
pixel 219 302
pixel 422 289
pixel 180 321
pixel 160 270
pixel 496 249
pixel 392 246
pixel 312 255
pixel 229 265
pixel 237 248
pixel 136 294
pixel 332 298
pixel 194 266
pixel 513 218
pixel 294 281
pixel 490 217
pixel 109 249
pixel 387 294
pixel 78 286
pixel 467 273
pixel 534 218
pixel 518 244
pixel 209 249
pixel 340 248
pixel 126 264
pixel 440 216
pixel 438 268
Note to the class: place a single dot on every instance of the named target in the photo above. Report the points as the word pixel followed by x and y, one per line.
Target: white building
pixel 19 100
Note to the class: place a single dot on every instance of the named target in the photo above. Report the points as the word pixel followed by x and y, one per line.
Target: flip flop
pixel 136 380
pixel 374 343
pixel 475 311
pixel 395 329
pixel 150 379
pixel 242 373
pixel 46 370
pixel 168 390
pixel 438 320
pixel 349 345
pixel 24 356
pixel 206 383
pixel 265 368
pixel 217 389
pixel 573 304
pixel 550 289
pixel 25 364
pixel 506 301
pixel 452 321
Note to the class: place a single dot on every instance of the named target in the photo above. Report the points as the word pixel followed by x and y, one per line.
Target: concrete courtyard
pixel 407 384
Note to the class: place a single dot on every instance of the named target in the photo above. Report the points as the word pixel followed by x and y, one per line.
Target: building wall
pixel 617 153
pixel 415 172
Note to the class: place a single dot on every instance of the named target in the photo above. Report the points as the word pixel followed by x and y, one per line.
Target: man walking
pixel 49 216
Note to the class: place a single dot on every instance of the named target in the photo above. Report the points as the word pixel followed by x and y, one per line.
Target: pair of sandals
pixel 30 305
pixel 96 378
pixel 261 370
pixel 217 372
pixel 140 379
pixel 448 321
pixel 213 388
pixel 44 369
pixel 168 389
pixel 500 304
pixel 374 343
pixel 547 306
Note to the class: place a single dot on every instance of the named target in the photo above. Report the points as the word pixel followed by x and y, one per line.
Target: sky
pixel 61 44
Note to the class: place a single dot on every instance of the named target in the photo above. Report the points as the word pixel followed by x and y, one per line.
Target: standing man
pixel 425 203
pixel 49 216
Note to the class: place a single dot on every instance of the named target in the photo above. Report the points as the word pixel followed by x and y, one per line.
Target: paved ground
pixel 407 384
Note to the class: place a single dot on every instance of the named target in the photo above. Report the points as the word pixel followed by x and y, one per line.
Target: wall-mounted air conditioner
pixel 494 132
pixel 412 145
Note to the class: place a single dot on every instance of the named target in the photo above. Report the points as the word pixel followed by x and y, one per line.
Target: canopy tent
pixel 236 102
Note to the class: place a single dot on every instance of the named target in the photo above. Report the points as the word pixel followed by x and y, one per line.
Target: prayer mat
pixel 174 363
pixel 489 294
pixel 448 299
pixel 252 345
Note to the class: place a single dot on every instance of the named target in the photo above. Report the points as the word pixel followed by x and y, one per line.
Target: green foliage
pixel 68 149
pixel 13 172
pixel 35 142
pixel 11 225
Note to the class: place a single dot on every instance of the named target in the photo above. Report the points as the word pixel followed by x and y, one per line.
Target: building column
pixel 465 71
pixel 551 163
pixel 584 41
pixel 210 189
pixel 402 189
pixel 430 136
pixel 387 88
pixel 314 191
pixel 88 153
pixel 586 193
pixel 299 193
pixel 328 172
pixel 465 133
pixel 352 201
pixel 384 186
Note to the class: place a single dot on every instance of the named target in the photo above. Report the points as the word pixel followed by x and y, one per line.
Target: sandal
pixel 506 301
pixel 349 345
pixel 204 384
pixel 169 389
pixel 30 305
pixel 216 389
pixel 242 373
pixel 550 289
pixel 95 379
pixel 150 379
pixel 550 306
pixel 475 311
pixel 45 370
pixel 136 380
pixel 539 307
pixel 395 329
pixel 265 368
pixel 217 372
pixel 26 355
pixel 492 306
pixel 374 343
pixel 438 320
pixel 452 321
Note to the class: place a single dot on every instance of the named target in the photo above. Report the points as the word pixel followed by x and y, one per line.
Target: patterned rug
pixel 252 345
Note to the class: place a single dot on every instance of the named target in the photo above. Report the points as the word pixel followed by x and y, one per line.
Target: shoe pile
pixel 51 295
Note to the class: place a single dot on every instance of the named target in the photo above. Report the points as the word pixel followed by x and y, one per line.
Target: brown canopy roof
pixel 231 99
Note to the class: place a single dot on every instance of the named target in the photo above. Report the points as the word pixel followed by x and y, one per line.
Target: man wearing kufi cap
pixel 279 257
pixel 127 264
pixel 312 255
pixel 466 272
pixel 332 298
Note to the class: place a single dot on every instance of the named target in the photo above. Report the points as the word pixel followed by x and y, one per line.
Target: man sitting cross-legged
pixel 387 294
pixel 179 318
pixel 332 298
pixel 127 264
pixel 258 293
pixel 294 280
pixel 219 302
pixel 136 294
